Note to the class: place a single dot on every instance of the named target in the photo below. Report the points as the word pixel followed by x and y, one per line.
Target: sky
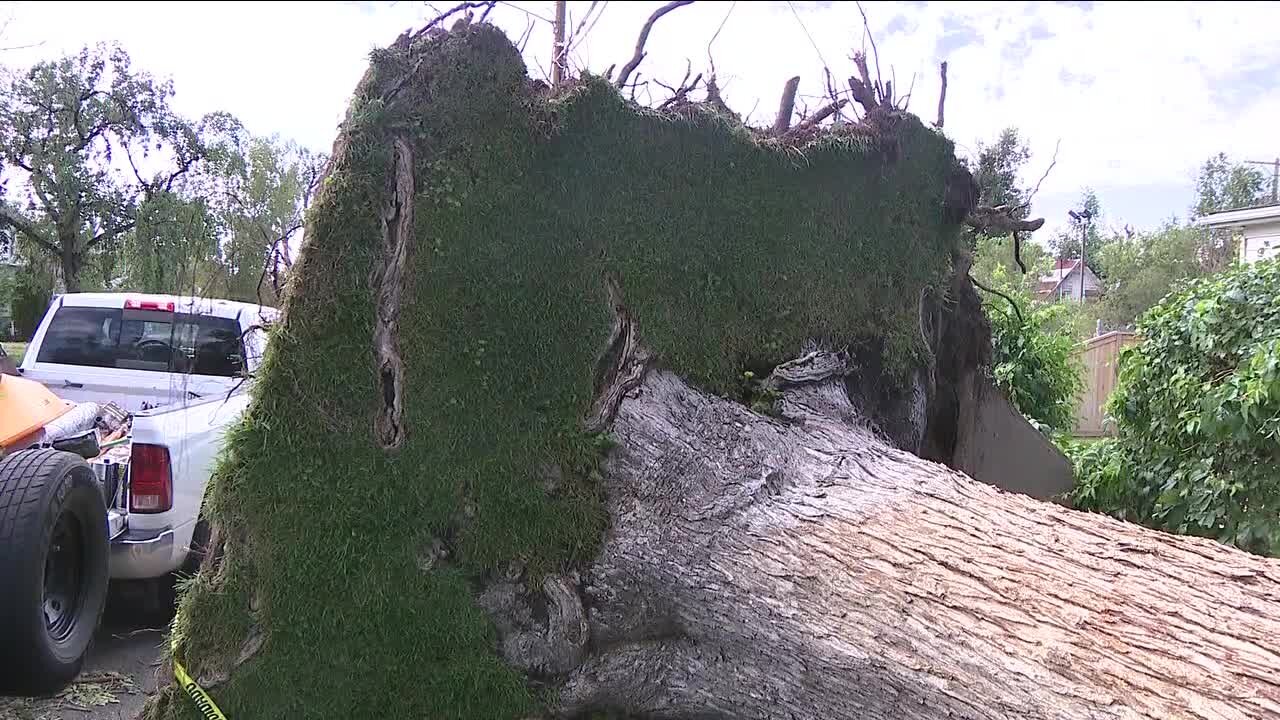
pixel 1134 96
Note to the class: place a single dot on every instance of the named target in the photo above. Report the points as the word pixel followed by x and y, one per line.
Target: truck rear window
pixel 143 340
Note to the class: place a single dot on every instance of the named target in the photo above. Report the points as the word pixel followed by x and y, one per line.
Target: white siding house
pixel 1065 281
pixel 1258 228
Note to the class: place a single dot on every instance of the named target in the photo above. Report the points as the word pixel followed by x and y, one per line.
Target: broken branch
pixel 787 106
pixel 823 113
pixel 942 97
pixel 681 92
pixel 867 27
pixel 863 90
pixel 998 221
pixel 634 62
pixel 452 11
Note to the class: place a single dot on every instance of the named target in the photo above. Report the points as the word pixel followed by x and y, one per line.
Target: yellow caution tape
pixel 208 709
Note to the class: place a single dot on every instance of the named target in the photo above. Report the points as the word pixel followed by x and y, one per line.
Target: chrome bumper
pixel 135 552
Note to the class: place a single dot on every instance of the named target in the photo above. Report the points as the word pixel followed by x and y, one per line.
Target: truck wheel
pixel 54 559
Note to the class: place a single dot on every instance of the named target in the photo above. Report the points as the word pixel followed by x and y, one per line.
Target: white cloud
pixel 1139 94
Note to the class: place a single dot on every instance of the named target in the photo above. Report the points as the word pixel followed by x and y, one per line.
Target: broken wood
pixel 558 53
pixel 813 121
pixel 786 106
pixel 625 73
pixel 942 96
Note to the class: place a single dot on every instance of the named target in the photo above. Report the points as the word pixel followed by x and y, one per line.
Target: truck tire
pixel 54 565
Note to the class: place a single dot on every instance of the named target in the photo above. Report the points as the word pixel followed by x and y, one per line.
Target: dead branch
pixel 528 32
pixel 999 221
pixel 1012 304
pixel 823 113
pixel 786 107
pixel 831 90
pixel 713 94
pixel 1027 203
pixel 867 27
pixel 453 11
pixel 906 99
pixel 716 34
pixel 635 60
pixel 681 91
pixel 942 97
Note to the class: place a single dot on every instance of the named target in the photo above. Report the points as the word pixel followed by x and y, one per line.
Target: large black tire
pixel 54 565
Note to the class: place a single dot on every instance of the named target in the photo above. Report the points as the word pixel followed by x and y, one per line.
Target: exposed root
pixel 622 366
pixel 397 236
pixel 544 642
pixel 251 647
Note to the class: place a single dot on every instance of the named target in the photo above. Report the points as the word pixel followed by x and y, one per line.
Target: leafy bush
pixel 1032 355
pixel 1198 415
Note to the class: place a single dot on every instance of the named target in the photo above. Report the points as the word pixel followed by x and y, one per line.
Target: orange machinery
pixel 26 407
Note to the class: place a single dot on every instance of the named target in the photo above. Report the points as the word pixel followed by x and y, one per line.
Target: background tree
pixel 91 140
pixel 227 228
pixel 1065 245
pixel 1224 185
pixel 1141 268
pixel 264 196
pixel 997 169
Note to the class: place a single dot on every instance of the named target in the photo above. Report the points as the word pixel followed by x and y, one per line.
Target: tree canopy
pixel 108 187
pixel 91 139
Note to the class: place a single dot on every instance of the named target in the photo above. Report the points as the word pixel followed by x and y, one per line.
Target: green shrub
pixel 1198 415
pixel 1033 356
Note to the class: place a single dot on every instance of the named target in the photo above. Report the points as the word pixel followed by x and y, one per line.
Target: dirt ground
pixel 118 674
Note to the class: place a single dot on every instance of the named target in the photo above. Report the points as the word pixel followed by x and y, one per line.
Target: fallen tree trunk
pixel 801 568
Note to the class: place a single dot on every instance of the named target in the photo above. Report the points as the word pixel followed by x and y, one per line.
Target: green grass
pixel 15 350
pixel 729 252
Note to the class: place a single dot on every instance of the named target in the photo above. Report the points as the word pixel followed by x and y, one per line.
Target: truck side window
pixel 214 345
pixel 82 336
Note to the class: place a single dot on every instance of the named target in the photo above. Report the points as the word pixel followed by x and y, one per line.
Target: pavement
pixel 118 673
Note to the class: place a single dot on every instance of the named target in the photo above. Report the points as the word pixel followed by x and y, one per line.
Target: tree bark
pixel 71 262
pixel 802 568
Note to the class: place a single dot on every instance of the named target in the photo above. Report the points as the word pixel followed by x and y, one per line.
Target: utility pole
pixel 1275 176
pixel 557 49
pixel 1082 218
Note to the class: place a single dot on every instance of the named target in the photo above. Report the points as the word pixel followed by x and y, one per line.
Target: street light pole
pixel 1082 218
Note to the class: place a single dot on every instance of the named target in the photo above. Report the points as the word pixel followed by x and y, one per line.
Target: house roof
pixel 1241 217
pixel 1062 269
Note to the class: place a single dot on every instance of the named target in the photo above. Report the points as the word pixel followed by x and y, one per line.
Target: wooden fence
pixel 1100 357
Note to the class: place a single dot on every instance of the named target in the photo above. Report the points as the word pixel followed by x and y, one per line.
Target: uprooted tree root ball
pixel 527 437
pixel 729 252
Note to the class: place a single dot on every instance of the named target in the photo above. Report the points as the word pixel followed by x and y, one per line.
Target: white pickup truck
pixel 179 366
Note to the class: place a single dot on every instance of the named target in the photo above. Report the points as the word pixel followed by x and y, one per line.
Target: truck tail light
pixel 134 304
pixel 150 479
